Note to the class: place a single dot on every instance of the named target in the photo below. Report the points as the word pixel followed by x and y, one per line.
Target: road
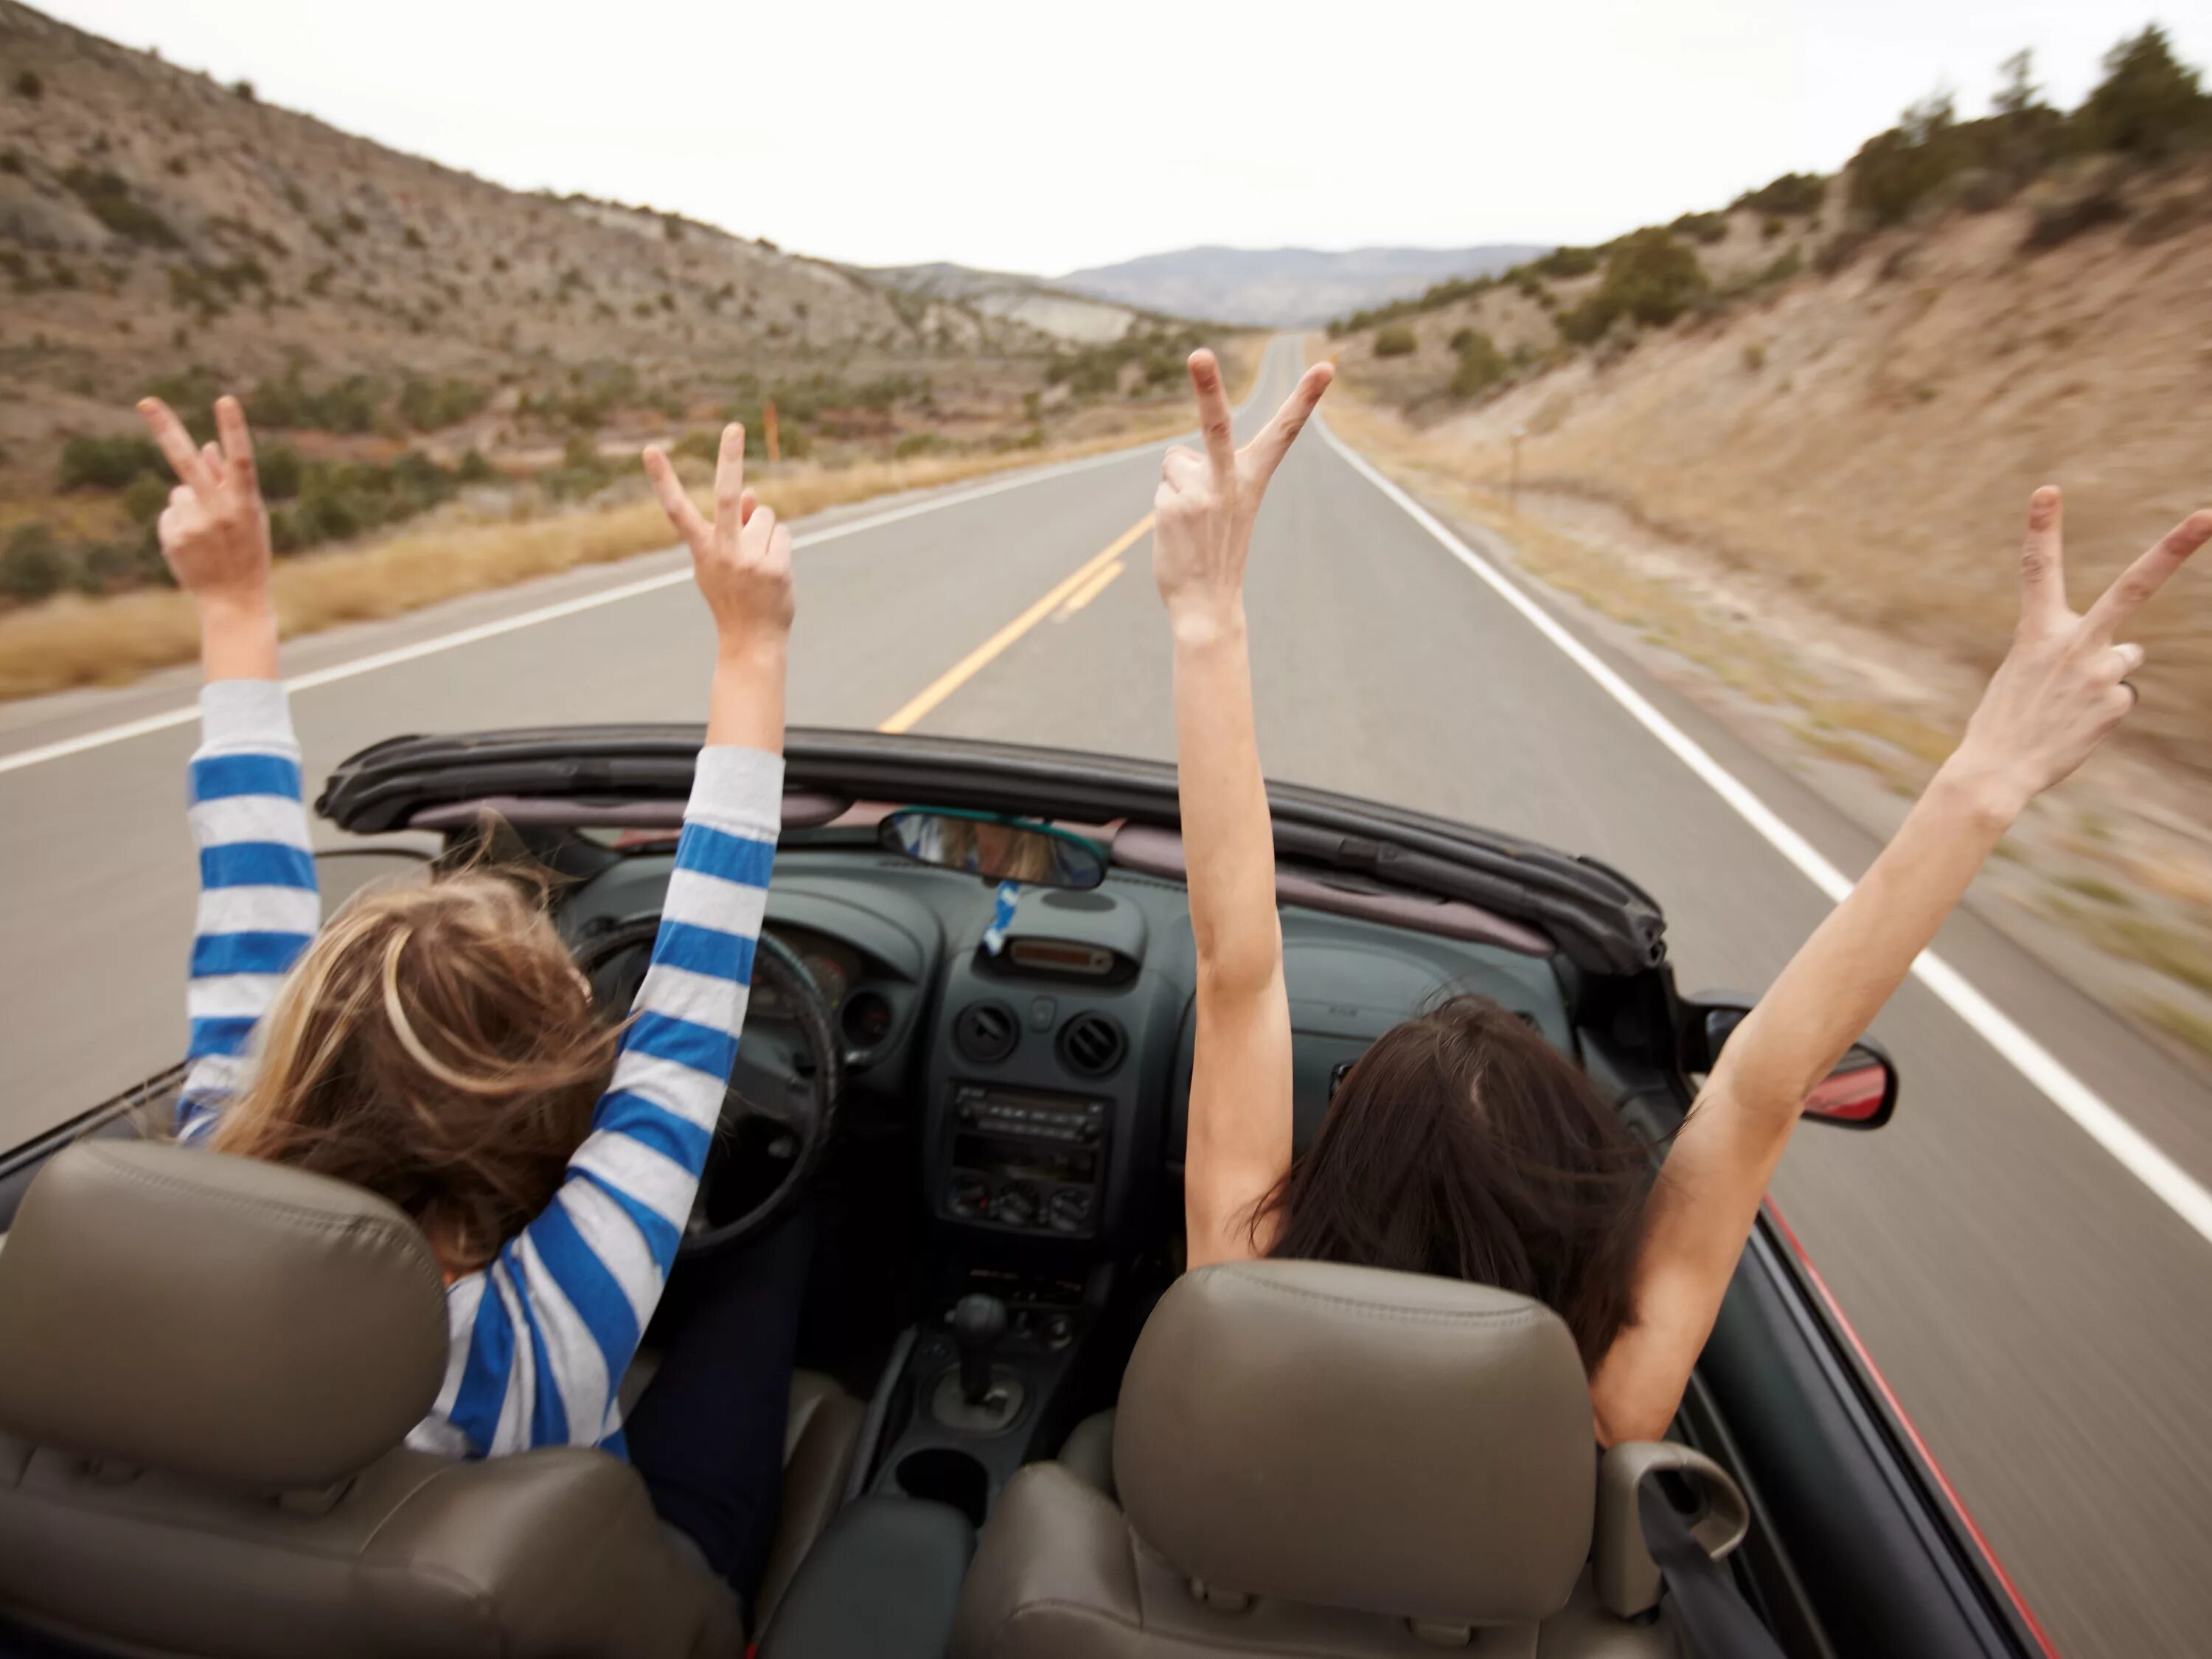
pixel 2043 1315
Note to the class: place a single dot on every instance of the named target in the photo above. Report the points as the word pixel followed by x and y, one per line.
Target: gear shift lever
pixel 978 1324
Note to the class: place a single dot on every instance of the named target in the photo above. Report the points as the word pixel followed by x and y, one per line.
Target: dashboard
pixel 1050 1082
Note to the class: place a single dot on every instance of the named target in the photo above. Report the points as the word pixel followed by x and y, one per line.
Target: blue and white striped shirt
pixel 541 1336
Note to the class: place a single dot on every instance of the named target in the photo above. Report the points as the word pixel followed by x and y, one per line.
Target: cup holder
pixel 945 1475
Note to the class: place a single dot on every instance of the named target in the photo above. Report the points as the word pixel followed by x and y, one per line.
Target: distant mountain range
pixel 1284 287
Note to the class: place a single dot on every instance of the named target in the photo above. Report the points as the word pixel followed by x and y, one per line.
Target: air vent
pixel 1092 1045
pixel 986 1032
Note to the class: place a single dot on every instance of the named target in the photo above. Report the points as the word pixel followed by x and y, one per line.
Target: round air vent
pixel 1092 1045
pixel 986 1032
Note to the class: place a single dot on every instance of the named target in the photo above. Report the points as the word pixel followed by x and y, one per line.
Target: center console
pixel 1027 1159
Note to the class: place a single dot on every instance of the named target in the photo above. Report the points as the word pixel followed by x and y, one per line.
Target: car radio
pixel 1027 1159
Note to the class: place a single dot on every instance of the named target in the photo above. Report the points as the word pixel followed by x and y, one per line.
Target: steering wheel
pixel 780 1112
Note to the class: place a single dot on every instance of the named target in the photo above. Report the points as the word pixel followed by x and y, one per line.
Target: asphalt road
pixel 2044 1316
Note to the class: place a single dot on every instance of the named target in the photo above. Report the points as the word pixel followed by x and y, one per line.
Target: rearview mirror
pixel 1859 1093
pixel 994 847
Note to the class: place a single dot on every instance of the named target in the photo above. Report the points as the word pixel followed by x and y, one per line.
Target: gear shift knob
pixel 978 1324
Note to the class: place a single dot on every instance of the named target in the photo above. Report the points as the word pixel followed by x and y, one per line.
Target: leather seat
pixel 211 1363
pixel 1318 1460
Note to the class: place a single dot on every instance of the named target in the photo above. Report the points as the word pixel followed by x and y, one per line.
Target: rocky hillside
pixel 1849 385
pixel 410 332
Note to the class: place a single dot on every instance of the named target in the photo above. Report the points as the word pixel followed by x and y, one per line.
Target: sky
pixel 1044 136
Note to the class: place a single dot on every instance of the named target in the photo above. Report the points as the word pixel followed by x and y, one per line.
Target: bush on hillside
pixel 1481 365
pixel 33 565
pixel 109 463
pixel 2148 103
pixel 348 405
pixel 1564 262
pixel 1707 227
pixel 433 405
pixel 1794 195
pixel 1396 341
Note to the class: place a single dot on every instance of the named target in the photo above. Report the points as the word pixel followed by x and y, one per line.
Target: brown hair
pixel 436 1045
pixel 1464 1143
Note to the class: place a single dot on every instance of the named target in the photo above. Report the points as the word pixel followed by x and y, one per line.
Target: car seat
pixel 210 1366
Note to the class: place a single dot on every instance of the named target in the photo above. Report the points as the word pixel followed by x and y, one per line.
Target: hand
pixel 1204 508
pixel 742 561
pixel 214 530
pixel 2063 684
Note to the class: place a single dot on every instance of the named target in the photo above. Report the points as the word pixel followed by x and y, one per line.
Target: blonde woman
pixel 436 1045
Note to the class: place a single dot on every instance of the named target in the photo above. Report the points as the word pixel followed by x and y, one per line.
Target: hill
pixel 1787 444
pixel 412 333
pixel 1286 287
pixel 1025 301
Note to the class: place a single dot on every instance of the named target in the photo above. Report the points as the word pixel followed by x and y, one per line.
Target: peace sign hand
pixel 1205 506
pixel 2063 685
pixel 214 530
pixel 742 560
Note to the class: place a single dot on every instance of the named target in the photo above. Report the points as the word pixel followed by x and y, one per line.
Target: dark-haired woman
pixel 1463 1143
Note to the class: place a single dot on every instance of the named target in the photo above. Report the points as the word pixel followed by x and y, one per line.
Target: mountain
pixel 1284 287
pixel 1027 300
pixel 157 226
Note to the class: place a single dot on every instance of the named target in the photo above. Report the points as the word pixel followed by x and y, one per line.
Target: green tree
pixel 2148 103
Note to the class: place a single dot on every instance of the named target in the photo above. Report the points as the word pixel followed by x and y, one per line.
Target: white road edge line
pixel 429 648
pixel 2135 1152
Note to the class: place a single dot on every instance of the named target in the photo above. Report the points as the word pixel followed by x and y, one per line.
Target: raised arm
pixel 2061 688
pixel 547 1331
pixel 1239 1142
pixel 259 907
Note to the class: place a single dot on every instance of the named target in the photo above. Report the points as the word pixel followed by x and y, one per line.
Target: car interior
pixel 1018 1428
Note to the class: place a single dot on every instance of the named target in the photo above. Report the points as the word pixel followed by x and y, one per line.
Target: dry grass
pixel 76 641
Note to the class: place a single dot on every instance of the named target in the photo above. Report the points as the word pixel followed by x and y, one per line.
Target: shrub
pixel 280 469
pixel 11 161
pixel 1789 264
pixel 109 463
pixel 109 200
pixel 1707 227
pixel 33 565
pixel 348 405
pixel 432 405
pixel 918 443
pixel 1481 365
pixel 145 497
pixel 28 85
pixel 1396 341
pixel 1588 321
pixel 2148 103
pixel 474 469
pixel 1794 195
pixel 1564 262
pixel 1653 278
pixel 243 91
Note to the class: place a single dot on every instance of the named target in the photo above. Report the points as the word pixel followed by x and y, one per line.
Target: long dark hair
pixel 1464 1143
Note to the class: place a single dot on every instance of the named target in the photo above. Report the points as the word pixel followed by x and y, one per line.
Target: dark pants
pixel 707 1433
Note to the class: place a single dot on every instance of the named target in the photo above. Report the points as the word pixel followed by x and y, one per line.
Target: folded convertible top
pixel 1602 921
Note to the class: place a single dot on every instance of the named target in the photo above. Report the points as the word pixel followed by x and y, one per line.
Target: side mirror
pixel 1860 1093
pixel 992 847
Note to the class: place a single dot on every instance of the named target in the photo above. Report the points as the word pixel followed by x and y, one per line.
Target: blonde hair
pixel 436 1045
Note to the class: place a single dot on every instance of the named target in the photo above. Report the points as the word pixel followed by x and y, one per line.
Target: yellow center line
pixel 1090 591
pixel 975 662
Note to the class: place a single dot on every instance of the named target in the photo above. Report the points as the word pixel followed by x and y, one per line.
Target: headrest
pixel 1417 1447
pixel 174 1309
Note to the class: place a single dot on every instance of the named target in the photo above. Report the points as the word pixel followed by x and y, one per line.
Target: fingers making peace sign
pixel 742 560
pixel 1205 505
pixel 2064 684
pixel 214 530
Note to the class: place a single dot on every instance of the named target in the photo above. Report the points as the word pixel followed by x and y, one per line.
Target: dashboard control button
pixel 1043 1012
pixel 1069 1209
pixel 967 1195
pixel 1017 1204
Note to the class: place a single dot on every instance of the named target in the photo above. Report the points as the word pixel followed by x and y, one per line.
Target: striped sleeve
pixel 259 907
pixel 543 1336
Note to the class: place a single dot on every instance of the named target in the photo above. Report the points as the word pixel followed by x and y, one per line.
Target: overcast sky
pixel 1044 136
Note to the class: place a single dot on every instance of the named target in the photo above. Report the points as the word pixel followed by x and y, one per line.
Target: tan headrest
pixel 168 1308
pixel 1388 1442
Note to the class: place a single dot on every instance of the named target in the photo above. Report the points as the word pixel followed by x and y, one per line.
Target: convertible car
pixel 1020 1429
